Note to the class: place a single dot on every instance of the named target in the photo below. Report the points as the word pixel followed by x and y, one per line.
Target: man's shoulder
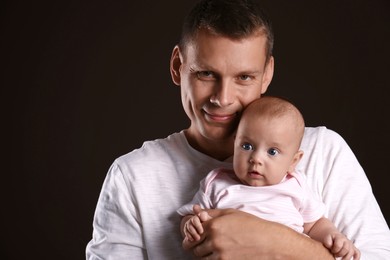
pixel 319 131
pixel 321 146
pixel 156 148
pixel 321 135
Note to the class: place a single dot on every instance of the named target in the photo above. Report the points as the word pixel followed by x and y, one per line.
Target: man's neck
pixel 218 149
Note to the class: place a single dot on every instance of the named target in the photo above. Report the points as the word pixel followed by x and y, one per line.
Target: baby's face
pixel 265 150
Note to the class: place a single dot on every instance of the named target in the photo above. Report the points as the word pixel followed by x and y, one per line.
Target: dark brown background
pixel 84 82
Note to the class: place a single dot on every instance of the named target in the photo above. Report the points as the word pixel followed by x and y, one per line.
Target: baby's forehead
pixel 274 108
pixel 289 123
pixel 275 116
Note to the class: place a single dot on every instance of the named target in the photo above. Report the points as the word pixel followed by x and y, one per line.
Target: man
pixel 222 63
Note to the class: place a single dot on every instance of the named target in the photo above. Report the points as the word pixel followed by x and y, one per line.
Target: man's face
pixel 218 77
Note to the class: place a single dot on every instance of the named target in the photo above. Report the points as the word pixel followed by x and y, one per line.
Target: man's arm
pixel 116 230
pixel 335 175
pixel 233 234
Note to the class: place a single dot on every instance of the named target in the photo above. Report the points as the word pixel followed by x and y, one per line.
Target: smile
pixel 218 117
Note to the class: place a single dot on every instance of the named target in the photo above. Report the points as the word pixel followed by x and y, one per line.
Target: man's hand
pixel 233 234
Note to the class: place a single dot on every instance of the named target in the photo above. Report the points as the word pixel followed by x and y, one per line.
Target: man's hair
pixel 235 19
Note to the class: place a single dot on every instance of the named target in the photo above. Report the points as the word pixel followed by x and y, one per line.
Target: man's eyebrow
pixel 250 72
pixel 200 65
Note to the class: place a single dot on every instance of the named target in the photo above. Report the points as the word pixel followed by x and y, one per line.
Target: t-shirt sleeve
pixel 336 175
pixel 117 232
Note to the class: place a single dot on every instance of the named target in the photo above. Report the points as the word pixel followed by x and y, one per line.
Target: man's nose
pixel 224 93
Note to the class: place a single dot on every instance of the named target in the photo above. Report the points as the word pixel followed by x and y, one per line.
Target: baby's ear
pixel 297 157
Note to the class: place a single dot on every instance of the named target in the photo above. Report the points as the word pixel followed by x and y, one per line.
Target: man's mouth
pixel 219 117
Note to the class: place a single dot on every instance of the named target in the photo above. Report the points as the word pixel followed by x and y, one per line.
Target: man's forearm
pixel 239 235
pixel 298 246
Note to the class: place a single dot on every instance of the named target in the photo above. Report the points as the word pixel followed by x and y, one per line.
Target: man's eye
pixel 247 146
pixel 204 74
pixel 273 151
pixel 245 77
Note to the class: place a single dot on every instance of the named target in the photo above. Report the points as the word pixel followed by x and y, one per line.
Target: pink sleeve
pixel 201 197
pixel 311 208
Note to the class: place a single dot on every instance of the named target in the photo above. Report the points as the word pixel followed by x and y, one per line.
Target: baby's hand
pixel 193 228
pixel 341 246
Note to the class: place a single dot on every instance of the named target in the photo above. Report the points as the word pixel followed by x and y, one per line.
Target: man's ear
pixel 268 74
pixel 175 65
pixel 297 157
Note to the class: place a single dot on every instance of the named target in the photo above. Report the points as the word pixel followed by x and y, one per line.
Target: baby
pixel 264 182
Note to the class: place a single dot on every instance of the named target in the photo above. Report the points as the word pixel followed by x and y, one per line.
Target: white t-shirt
pixel 136 216
pixel 289 202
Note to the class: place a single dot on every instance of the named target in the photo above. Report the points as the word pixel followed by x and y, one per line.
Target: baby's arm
pixel 191 225
pixel 324 231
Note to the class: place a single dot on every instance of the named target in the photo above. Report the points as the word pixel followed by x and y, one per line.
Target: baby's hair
pixel 277 107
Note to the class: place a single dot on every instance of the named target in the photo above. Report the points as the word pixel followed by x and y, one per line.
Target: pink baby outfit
pixel 290 202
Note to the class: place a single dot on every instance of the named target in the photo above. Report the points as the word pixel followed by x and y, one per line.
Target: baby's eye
pixel 247 146
pixel 273 152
